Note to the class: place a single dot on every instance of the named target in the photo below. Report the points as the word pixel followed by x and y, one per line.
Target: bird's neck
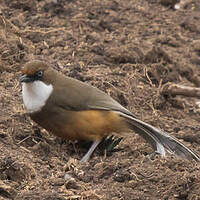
pixel 35 95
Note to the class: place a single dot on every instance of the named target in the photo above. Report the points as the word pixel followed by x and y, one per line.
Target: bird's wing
pixel 72 94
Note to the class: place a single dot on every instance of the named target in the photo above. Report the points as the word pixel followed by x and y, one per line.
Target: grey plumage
pixel 159 140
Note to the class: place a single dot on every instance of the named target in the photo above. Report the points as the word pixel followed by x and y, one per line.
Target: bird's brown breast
pixel 90 125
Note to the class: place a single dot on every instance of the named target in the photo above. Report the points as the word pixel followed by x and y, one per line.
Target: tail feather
pixel 159 140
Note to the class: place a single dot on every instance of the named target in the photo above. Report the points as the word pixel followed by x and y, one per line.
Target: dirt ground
pixel 127 48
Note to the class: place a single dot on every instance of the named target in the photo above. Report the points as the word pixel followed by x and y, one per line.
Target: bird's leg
pixel 86 157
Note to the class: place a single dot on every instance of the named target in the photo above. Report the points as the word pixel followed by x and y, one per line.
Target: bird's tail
pixel 159 140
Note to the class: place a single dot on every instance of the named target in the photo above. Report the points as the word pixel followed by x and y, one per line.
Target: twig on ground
pixel 24 139
pixel 175 89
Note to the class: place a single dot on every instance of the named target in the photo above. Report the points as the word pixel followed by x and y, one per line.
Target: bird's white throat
pixel 35 95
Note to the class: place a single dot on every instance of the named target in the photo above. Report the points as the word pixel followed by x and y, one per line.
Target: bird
pixel 75 110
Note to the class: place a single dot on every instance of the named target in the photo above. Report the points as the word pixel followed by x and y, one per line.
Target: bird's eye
pixel 39 74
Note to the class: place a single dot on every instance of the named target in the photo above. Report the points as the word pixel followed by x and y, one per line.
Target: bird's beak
pixel 26 79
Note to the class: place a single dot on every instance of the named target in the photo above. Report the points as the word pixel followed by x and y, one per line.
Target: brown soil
pixel 127 48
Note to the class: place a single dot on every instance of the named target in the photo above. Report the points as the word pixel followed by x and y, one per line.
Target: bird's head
pixel 34 71
pixel 37 84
